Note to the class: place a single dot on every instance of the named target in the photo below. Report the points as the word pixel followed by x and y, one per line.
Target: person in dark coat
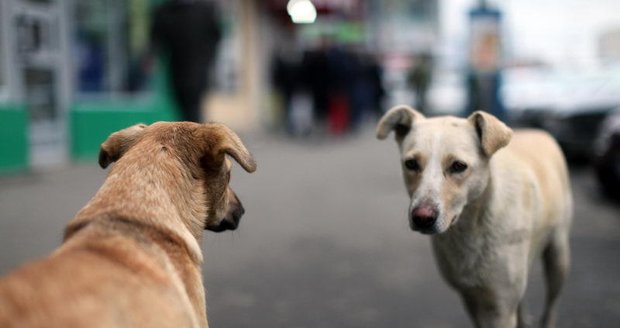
pixel 188 33
pixel 366 89
pixel 285 78
pixel 315 68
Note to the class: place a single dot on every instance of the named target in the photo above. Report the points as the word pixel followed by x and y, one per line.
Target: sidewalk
pixel 324 241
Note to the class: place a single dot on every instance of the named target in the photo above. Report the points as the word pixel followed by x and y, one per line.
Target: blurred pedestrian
pixel 285 68
pixel 420 78
pixel 339 75
pixel 361 86
pixel 188 33
pixel 314 70
pixel 366 89
pixel 375 72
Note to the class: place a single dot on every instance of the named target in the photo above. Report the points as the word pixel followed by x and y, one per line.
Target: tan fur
pixel 508 204
pixel 131 256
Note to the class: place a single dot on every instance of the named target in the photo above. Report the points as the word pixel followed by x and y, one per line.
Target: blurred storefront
pixel 73 71
pixel 33 82
pixel 67 74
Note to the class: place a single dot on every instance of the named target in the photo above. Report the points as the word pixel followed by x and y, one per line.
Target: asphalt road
pixel 325 242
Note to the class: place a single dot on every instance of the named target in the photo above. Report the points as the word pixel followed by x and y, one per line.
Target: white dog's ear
pixel 117 144
pixel 222 141
pixel 493 133
pixel 399 118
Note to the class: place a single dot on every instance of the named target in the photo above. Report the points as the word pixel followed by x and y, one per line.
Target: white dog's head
pixel 445 161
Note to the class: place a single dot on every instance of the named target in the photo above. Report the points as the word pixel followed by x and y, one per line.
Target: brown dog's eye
pixel 458 167
pixel 412 165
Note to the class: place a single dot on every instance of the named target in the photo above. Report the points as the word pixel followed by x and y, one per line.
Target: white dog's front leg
pixel 488 310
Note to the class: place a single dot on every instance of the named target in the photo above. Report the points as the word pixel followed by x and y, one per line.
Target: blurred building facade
pixel 73 71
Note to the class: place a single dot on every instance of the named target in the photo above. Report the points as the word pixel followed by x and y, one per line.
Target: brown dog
pixel 131 256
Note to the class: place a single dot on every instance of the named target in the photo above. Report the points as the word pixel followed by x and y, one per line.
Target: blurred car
pixel 570 105
pixel 607 158
pixel 530 95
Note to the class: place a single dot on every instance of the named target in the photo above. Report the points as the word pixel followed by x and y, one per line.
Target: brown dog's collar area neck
pixel 73 228
pixel 149 233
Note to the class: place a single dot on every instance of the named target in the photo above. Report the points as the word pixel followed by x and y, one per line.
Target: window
pixel 110 46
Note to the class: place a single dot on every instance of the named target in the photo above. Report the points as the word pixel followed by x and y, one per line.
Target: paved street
pixel 325 242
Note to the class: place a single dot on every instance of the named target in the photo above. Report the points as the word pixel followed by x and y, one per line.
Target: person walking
pixel 188 33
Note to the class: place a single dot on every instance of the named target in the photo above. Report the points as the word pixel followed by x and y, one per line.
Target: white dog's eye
pixel 457 167
pixel 412 165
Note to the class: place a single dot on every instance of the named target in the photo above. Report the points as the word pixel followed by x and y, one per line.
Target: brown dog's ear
pixel 493 133
pixel 400 119
pixel 117 144
pixel 228 142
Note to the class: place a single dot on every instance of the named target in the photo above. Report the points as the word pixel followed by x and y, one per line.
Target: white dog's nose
pixel 424 216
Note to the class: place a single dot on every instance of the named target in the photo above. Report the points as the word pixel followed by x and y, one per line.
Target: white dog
pixel 491 205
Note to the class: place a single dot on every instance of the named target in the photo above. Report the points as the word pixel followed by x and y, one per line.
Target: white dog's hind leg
pixel 523 320
pixel 556 261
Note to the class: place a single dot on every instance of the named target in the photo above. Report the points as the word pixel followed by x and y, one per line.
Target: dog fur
pixel 131 256
pixel 492 201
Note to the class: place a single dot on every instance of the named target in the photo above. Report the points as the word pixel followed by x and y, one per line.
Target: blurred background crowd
pixel 73 71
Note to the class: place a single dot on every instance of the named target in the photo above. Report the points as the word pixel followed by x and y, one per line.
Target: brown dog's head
pixel 445 162
pixel 189 158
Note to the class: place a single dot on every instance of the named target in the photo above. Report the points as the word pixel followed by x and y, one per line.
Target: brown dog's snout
pixel 236 211
pixel 424 216
pixel 233 215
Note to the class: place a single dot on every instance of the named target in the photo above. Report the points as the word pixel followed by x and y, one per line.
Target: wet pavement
pixel 324 241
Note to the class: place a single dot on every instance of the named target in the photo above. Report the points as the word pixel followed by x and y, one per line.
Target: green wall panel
pixel 13 138
pixel 91 122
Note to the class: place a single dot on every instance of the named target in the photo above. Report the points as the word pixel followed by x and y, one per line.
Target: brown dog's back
pixel 93 279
